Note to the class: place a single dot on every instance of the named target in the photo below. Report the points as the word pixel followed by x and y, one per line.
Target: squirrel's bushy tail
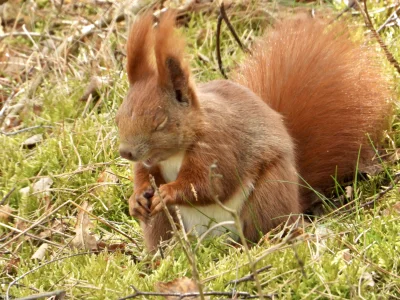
pixel 330 90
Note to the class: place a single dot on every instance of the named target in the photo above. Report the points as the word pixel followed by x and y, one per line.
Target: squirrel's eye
pixel 181 98
pixel 162 124
pixel 178 95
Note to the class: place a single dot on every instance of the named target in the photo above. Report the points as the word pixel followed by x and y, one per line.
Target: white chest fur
pixel 200 218
pixel 170 167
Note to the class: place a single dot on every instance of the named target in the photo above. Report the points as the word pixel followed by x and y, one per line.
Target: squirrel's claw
pixel 139 207
pixel 166 194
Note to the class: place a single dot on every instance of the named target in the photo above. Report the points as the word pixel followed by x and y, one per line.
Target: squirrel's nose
pixel 127 153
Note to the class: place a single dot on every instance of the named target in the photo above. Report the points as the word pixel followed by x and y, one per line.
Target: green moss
pixel 357 255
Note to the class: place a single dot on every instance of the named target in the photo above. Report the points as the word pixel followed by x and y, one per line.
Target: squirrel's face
pixel 155 122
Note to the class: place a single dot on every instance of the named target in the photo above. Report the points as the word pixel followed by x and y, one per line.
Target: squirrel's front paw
pixel 139 204
pixel 168 194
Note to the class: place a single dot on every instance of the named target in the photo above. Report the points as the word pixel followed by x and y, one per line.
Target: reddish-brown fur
pixel 331 91
pixel 318 80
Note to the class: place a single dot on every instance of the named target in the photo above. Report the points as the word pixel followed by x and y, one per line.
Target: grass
pixel 343 255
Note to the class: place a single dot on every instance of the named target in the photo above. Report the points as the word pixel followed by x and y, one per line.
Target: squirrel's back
pixel 331 91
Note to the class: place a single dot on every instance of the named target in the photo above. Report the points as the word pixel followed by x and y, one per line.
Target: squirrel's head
pixel 159 116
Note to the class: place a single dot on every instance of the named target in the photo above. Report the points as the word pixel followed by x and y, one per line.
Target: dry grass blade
pixel 41 220
pixel 184 243
pixel 56 295
pixel 7 295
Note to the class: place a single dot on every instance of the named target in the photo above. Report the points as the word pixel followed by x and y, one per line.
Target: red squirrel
pixel 296 114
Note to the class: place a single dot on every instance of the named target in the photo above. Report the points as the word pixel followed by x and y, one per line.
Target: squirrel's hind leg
pixel 275 197
pixel 157 229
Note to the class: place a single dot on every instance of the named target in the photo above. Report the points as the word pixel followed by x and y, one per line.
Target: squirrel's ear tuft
pixel 173 70
pixel 140 49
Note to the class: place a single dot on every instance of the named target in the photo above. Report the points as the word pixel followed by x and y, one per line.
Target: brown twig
pixel 6 196
pixel 224 16
pixel 368 23
pixel 218 41
pixel 249 277
pixel 234 295
pixel 58 295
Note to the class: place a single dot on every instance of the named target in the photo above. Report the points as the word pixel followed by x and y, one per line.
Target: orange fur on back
pixel 330 90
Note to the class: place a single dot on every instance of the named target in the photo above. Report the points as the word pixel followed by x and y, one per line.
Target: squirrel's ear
pixel 140 49
pixel 173 71
pixel 178 79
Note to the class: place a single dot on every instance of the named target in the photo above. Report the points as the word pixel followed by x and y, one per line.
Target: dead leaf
pixel 111 247
pixel 21 225
pixel 372 170
pixel 40 252
pixel 32 141
pixel 346 255
pixel 57 225
pixel 180 285
pixel 368 279
pixel 42 187
pixel 11 122
pixel 395 209
pixel 83 238
pixel 12 266
pixel 9 11
pixel 5 211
